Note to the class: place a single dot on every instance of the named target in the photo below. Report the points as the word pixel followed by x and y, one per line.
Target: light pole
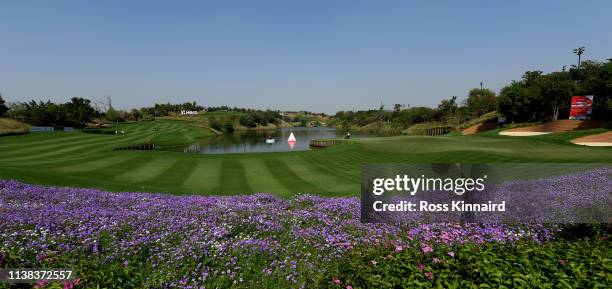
pixel 579 52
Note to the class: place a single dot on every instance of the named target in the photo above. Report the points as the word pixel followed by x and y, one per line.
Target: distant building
pixel 188 112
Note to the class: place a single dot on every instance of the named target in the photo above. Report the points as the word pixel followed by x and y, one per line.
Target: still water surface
pixel 255 140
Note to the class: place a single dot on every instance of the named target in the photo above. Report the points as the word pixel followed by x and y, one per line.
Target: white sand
pixel 595 144
pixel 522 133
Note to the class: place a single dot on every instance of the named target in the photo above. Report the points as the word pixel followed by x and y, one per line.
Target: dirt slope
pixel 480 127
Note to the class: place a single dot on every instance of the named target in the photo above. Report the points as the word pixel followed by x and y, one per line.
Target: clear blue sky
pixel 291 55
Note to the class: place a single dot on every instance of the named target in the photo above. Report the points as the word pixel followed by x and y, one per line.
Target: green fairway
pixel 88 160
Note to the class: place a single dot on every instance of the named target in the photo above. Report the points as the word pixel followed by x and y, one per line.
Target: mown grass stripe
pixel 17 142
pixel 204 177
pixel 329 165
pixel 288 178
pixel 232 178
pixel 89 165
pixel 88 160
pixel 145 174
pixel 113 170
pixel 58 150
pixel 261 179
pixel 175 173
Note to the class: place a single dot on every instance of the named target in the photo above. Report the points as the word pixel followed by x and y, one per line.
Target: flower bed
pixel 135 240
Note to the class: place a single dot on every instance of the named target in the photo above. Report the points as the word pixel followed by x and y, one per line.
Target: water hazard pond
pixel 252 141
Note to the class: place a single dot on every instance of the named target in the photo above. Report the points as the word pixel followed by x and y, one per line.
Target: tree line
pixel 542 97
pixel 478 102
pixel 77 113
pixel 537 96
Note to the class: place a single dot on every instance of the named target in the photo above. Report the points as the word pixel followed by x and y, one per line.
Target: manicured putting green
pixel 88 160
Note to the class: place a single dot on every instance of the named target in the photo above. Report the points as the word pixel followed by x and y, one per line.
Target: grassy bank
pixel 12 127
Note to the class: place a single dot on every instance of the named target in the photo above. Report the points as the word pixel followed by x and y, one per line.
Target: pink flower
pixel 451 253
pixel 562 262
pixel 373 262
pixel 435 260
pixel 429 275
pixel 349 287
pixel 41 283
pixel 427 249
pixel 399 248
pixel 421 267
pixel 336 281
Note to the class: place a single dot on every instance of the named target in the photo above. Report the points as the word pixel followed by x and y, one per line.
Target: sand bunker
pixel 597 140
pixel 554 126
pixel 523 133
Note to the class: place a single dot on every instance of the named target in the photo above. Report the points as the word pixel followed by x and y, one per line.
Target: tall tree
pixel 513 101
pixel 579 51
pixel 480 101
pixel 397 107
pixel 79 112
pixel 448 107
pixel 556 89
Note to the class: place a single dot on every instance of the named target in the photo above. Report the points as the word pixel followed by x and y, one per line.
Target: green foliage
pixel 76 113
pixel 416 115
pixel 227 126
pixel 3 107
pixel 487 117
pixel 536 97
pixel 215 122
pixel 165 109
pixel 582 263
pixel 542 97
pixel 480 101
pixel 112 115
pixel 423 128
pixel 247 120
pixel 222 123
pixel 556 90
pixel 384 122
pixel 448 107
pixel 79 112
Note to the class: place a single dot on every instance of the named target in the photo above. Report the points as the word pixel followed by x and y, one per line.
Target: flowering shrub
pixel 135 240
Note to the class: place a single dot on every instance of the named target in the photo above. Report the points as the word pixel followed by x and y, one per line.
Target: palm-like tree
pixel 579 52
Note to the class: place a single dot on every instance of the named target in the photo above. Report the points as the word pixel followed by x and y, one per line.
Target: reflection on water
pixel 255 141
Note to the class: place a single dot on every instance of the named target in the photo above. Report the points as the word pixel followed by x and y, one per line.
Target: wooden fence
pixel 441 130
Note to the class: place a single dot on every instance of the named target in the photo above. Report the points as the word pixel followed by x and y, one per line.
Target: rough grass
pixel 11 127
pixel 88 160
pixel 421 128
pixel 489 116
